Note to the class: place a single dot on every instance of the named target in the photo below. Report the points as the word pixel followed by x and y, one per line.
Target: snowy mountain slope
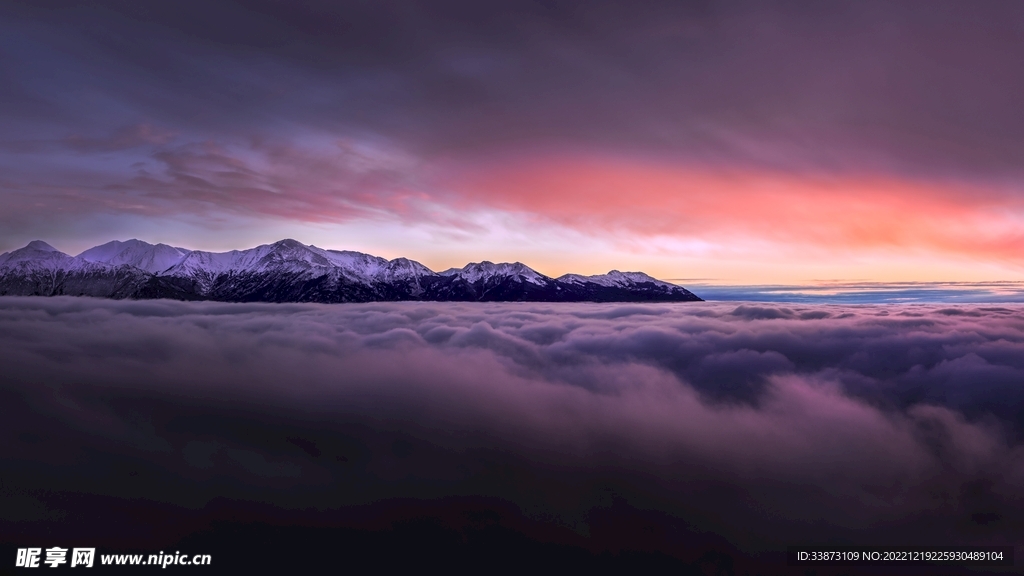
pixel 39 269
pixel 142 255
pixel 617 286
pixel 37 254
pixel 289 271
pixel 482 271
pixel 613 278
pixel 489 282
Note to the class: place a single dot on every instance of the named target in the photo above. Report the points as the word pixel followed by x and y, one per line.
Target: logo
pixel 31 557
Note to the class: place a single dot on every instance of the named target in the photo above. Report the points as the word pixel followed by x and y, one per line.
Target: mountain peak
pixel 42 246
pixel 143 255
pixel 35 253
pixel 615 278
pixel 475 271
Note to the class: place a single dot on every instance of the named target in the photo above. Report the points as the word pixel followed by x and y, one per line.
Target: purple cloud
pixel 766 426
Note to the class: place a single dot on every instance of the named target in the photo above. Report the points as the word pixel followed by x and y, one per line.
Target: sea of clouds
pixel 756 426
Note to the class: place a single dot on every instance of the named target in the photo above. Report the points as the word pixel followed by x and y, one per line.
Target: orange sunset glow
pixel 771 216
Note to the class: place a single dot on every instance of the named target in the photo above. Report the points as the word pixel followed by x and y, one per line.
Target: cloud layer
pixel 759 426
pixel 766 83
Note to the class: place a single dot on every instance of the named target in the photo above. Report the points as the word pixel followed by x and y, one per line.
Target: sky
pixel 765 143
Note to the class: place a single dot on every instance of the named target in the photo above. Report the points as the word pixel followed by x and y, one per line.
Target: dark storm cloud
pixel 767 425
pixel 843 86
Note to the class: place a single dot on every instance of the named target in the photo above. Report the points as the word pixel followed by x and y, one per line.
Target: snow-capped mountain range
pixel 289 271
